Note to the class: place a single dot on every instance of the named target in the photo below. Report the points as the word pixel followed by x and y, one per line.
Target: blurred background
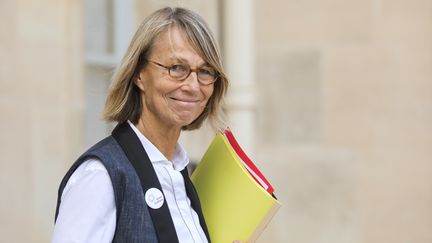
pixel 331 98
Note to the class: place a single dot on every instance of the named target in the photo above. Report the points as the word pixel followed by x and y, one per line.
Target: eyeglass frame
pixel 196 70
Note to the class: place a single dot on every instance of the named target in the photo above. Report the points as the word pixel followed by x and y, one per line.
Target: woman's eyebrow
pixel 176 58
pixel 183 60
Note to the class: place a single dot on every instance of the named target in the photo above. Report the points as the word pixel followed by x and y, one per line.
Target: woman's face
pixel 168 101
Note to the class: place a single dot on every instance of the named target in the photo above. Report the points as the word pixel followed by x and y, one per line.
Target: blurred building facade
pixel 332 99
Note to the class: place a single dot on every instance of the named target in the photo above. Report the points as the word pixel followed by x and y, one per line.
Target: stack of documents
pixel 237 200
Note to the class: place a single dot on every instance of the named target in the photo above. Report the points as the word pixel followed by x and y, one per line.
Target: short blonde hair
pixel 124 98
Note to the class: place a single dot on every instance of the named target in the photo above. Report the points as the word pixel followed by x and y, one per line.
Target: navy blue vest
pixel 132 174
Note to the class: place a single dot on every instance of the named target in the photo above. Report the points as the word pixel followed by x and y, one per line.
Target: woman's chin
pixel 185 118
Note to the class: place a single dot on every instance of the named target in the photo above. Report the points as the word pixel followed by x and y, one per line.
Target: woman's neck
pixel 163 137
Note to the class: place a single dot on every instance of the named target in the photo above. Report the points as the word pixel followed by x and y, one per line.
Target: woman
pixel 133 185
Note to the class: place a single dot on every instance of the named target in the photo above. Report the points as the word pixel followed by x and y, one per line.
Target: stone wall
pixel 41 108
pixel 345 118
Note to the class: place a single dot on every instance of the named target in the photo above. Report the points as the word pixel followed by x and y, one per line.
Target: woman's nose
pixel 192 81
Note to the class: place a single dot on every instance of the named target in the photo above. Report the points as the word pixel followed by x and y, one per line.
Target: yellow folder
pixel 234 205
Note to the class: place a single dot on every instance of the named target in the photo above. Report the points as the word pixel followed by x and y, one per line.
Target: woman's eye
pixel 178 68
pixel 207 71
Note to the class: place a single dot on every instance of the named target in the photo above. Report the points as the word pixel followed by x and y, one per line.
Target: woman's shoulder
pixel 105 149
pixel 105 143
pixel 90 168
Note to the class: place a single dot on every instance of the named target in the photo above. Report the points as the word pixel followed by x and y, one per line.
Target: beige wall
pixel 343 114
pixel 41 107
pixel 348 86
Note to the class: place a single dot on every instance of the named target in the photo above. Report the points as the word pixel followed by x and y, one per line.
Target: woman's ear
pixel 139 81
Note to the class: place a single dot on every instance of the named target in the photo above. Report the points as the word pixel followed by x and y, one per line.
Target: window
pixel 108 30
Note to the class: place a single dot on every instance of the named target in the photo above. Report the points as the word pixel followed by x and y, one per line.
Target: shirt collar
pixel 180 158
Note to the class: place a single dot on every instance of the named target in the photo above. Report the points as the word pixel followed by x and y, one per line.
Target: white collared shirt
pixel 88 213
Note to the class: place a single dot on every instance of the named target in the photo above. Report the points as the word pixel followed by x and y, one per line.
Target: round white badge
pixel 154 198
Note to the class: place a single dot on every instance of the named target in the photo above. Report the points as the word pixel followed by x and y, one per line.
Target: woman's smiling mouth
pixel 185 100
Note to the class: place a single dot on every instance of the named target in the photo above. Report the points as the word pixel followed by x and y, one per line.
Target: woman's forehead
pixel 174 44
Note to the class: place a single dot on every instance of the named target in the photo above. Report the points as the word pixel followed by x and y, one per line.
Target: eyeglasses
pixel 205 75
